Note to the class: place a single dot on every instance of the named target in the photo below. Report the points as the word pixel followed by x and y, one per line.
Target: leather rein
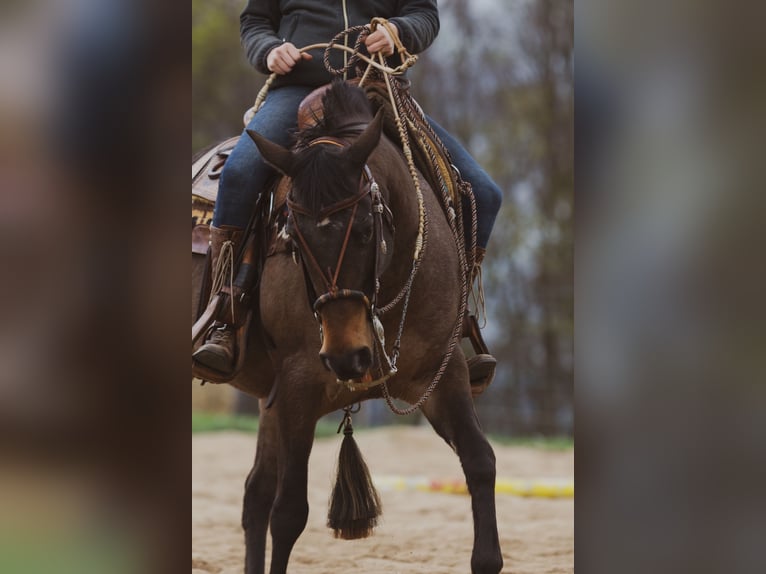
pixel 367 187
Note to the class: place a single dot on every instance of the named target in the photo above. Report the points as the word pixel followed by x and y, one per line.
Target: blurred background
pixel 669 287
pixel 499 77
pixel 94 119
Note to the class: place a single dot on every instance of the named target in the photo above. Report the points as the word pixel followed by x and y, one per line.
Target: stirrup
pixel 481 372
pixel 481 367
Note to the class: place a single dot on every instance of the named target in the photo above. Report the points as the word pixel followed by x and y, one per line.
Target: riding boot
pixel 219 350
pixel 481 367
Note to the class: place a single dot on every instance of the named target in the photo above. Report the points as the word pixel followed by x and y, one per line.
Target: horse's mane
pixel 318 173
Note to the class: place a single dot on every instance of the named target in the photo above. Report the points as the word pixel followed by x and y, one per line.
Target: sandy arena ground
pixel 420 532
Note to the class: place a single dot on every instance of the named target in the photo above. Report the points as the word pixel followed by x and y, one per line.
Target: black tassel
pixel 355 504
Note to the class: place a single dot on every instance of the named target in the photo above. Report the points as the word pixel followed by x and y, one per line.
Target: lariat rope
pixel 223 273
pixel 454 209
pixel 356 55
pixel 398 106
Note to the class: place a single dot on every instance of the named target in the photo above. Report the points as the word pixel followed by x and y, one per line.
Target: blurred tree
pixel 554 282
pixel 500 78
pixel 224 84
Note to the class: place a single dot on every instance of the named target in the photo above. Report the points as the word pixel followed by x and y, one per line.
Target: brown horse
pixel 346 253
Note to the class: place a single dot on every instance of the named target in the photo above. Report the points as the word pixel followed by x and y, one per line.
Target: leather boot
pixel 219 352
pixel 481 367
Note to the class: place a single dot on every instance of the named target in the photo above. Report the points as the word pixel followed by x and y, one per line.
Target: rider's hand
pixel 381 41
pixel 283 58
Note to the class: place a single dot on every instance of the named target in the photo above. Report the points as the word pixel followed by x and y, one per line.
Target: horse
pixel 347 250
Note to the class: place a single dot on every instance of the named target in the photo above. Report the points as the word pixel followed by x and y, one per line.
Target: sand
pixel 420 532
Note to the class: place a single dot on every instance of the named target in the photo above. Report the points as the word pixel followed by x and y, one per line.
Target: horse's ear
pixel 274 154
pixel 361 149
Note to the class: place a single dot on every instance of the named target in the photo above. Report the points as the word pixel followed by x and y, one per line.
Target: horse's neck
pixel 397 184
pixel 399 171
pixel 395 180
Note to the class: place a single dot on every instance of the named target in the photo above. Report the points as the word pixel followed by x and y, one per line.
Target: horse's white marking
pixel 325 221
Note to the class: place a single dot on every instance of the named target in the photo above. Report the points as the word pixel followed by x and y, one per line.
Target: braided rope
pixel 224 267
pixel 363 31
pixel 465 189
pixel 397 105
pixel 407 63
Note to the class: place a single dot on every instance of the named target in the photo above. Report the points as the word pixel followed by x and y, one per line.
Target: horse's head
pixel 339 219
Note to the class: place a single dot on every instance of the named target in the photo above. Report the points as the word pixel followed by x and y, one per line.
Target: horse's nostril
pixel 352 365
pixel 363 359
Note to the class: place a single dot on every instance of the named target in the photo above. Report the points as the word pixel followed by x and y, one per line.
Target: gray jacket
pixel 264 24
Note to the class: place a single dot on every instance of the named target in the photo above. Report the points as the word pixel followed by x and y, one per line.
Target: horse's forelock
pixel 317 176
pixel 317 171
pixel 342 104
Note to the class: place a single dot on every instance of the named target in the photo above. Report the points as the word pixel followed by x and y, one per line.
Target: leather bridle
pixel 386 367
pixel 367 187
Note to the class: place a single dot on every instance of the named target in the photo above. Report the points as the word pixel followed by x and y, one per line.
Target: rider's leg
pixel 487 193
pixel 488 199
pixel 245 173
pixel 244 176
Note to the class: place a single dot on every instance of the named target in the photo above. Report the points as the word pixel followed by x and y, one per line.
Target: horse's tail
pixel 355 504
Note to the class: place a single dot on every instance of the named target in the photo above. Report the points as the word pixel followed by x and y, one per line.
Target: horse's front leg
pixel 451 412
pixel 260 489
pixel 296 414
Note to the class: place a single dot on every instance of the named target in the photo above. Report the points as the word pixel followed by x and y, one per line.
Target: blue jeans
pixel 487 193
pixel 245 174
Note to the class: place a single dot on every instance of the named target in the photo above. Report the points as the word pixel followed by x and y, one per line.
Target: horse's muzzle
pixel 348 366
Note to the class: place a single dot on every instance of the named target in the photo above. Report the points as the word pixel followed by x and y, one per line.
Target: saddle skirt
pixel 206 171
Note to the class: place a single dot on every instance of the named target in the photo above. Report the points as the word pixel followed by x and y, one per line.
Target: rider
pixel 270 32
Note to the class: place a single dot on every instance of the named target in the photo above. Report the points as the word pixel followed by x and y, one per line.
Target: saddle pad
pixel 206 170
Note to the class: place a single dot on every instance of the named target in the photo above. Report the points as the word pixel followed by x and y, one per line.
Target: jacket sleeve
pixel 418 24
pixel 258 26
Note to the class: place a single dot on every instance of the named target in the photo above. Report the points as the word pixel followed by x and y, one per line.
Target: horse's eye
pixel 366 230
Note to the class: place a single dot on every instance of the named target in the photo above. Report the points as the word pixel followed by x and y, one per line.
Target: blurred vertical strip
pixel 94 123
pixel 500 78
pixel 669 287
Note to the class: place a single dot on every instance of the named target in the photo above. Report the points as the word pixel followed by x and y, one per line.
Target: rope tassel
pixel 354 505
